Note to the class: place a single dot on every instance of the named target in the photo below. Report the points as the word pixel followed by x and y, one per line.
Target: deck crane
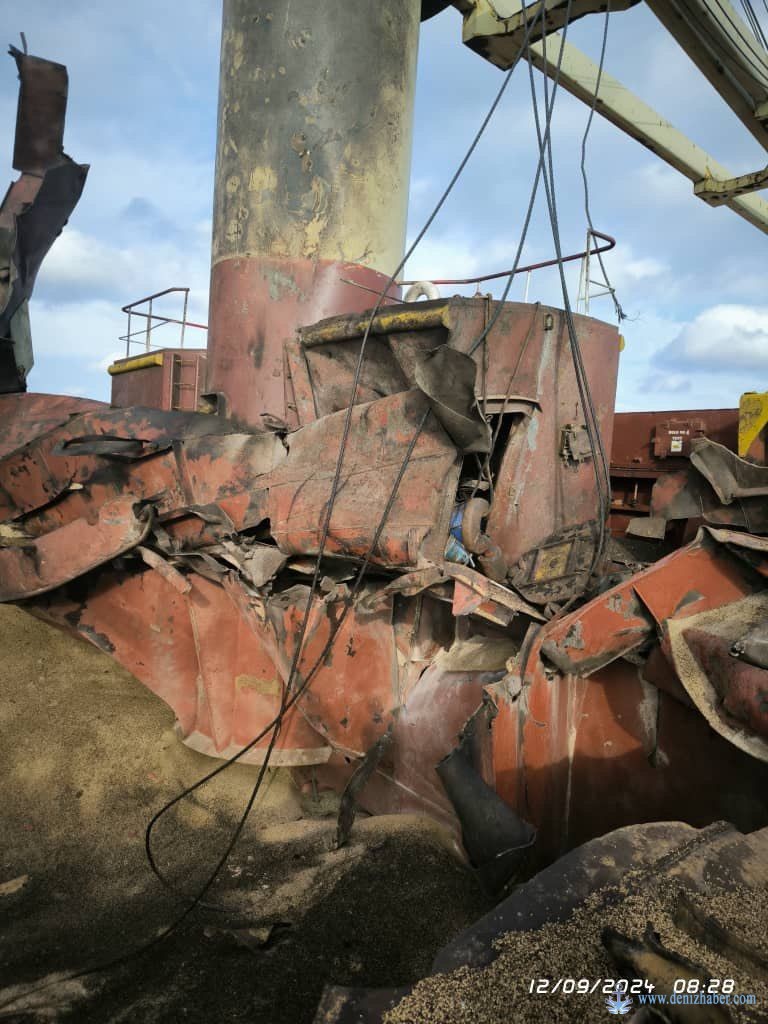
pixel 710 32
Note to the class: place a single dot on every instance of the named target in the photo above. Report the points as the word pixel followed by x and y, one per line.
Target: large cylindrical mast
pixel 312 169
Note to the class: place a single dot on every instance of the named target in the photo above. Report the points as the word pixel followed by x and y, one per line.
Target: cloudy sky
pixel 142 112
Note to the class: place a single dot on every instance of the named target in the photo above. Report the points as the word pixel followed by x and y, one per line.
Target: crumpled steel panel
pixel 35 565
pixel 380 433
pixel 36 206
pixel 583 743
pixel 541 498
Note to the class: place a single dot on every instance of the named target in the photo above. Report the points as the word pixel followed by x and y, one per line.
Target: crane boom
pixel 709 31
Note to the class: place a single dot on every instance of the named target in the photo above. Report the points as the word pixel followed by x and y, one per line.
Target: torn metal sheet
pixel 222 694
pixel 732 695
pixel 408 585
pixel 361 775
pixel 585 723
pixel 649 527
pixel 475 594
pixel 730 476
pixel 497 840
pixel 432 713
pixel 55 558
pixel 156 561
pixel 537 499
pixel 257 563
pixel 27 416
pixel 417 526
pixel 35 208
pixel 687 495
pixel 447 378
pixel 753 646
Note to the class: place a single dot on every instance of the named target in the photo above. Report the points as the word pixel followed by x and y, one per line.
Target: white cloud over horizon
pixel 726 337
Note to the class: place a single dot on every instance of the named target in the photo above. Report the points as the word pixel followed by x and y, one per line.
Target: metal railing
pixel 152 321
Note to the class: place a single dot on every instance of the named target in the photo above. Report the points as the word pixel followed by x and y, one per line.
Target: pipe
pixel 312 173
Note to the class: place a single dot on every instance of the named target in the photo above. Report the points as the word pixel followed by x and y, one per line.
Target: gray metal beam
pixel 579 74
pixel 496 29
pixel 724 49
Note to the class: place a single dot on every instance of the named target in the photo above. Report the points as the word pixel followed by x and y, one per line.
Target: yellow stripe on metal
pixel 136 363
pixel 753 417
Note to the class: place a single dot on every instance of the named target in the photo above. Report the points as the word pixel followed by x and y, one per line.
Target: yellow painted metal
pixel 136 363
pixel 407 317
pixel 753 418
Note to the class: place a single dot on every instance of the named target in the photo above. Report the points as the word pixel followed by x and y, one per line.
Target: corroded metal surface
pixel 587 743
pixel 182 543
pixel 649 447
pixel 36 206
pixel 542 513
pixel 255 307
pixel 24 417
pixel 312 174
pixel 595 733
pixel 171 379
pixel 35 565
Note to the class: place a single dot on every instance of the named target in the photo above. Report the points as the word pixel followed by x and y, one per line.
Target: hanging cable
pixel 485 469
pixel 591 422
pixel 289 696
pixel 549 108
pixel 751 54
pixel 593 106
pixel 754 23
pixel 272 727
pixel 736 25
pixel 710 40
pixel 348 418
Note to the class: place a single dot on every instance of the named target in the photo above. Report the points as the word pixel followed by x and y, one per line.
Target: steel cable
pixel 755 58
pixel 346 430
pixel 531 201
pixel 288 699
pixel 587 211
pixel 592 426
pixel 754 23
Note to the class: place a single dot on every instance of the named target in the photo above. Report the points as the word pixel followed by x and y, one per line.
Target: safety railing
pixel 429 288
pixel 142 310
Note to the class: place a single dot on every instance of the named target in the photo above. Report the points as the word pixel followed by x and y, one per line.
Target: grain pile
pixel 87 754
pixel 500 992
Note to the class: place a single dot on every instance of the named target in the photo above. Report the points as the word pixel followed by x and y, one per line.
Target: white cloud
pixel 625 269
pixel 147 127
pixel 78 331
pixel 86 272
pixel 80 262
pixel 661 183
pixel 671 383
pixel 730 337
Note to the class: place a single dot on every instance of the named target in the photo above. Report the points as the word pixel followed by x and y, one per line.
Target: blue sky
pixel 142 112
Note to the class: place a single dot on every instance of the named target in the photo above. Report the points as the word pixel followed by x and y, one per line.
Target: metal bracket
pixel 716 191
pixel 497 28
